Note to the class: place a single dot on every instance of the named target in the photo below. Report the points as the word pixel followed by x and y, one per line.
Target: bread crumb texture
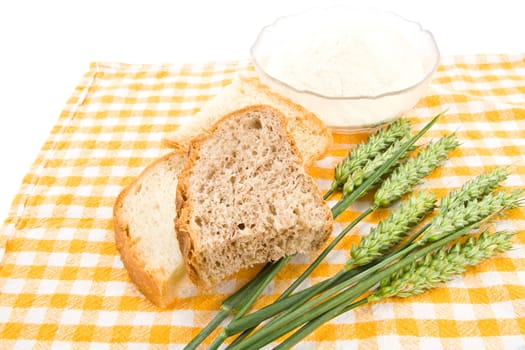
pixel 247 199
pixel 145 232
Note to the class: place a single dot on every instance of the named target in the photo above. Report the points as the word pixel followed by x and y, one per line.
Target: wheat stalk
pixel 418 277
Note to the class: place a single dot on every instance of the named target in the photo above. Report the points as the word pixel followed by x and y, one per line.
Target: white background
pixel 46 47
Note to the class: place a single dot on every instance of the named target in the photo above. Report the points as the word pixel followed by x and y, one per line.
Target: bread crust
pixel 177 146
pixel 302 111
pixel 184 142
pixel 158 289
pixel 184 206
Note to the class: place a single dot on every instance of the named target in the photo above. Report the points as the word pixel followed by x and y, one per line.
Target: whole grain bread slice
pixel 244 198
pixel 311 136
pixel 144 233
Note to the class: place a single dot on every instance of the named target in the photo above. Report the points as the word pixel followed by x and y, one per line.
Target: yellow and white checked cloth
pixel 63 285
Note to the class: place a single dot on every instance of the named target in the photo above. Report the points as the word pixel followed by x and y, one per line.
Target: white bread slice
pixel 144 232
pixel 244 198
pixel 311 136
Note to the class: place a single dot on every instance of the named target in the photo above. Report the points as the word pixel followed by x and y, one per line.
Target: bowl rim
pixel 354 97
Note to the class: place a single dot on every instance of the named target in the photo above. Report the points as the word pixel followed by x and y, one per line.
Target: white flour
pixel 346 58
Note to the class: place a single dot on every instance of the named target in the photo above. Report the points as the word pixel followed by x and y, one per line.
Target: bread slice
pixel 244 198
pixel 311 136
pixel 144 232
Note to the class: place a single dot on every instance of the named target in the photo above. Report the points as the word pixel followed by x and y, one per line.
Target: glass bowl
pixel 356 112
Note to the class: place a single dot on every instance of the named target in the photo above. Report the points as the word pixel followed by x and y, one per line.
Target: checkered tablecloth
pixel 63 285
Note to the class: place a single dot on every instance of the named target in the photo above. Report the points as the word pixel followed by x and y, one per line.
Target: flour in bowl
pixel 346 58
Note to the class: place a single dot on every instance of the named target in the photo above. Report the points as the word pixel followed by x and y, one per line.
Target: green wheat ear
pixel 368 150
pixel 463 215
pixel 359 175
pixel 393 229
pixel 410 173
pixel 441 265
pixel 474 189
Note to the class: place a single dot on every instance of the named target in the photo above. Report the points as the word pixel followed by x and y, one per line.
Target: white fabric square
pixel 456 282
pixel 337 256
pixel 13 286
pixel 125 153
pixel 97 235
pixel 75 211
pixel 45 210
pixel 463 312
pixel 81 287
pixel 5 312
pixel 114 288
pixel 504 310
pixel 449 181
pixel 112 191
pixel 346 344
pixel 71 316
pixel 490 278
pixel 107 318
pixel 144 319
pixel 63 171
pixel 36 233
pixel 25 258
pixel 25 344
pixel 101 346
pixel 84 190
pixel 183 318
pixel 98 153
pixel 117 263
pixel 86 122
pixel 472 343
pixel 423 311
pixel 430 343
pixel 104 212
pixel 521 277
pixel 118 171
pixel 136 121
pixel 500 160
pixel 383 311
pixel 47 287
pixel 473 161
pixel 57 259
pixel 129 136
pixel 390 342
pixel 91 171
pixel 61 345
pixel 226 287
pixel 305 345
pixel 89 260
pixel 66 234
pixel 346 318
pixel 36 315
pixel 513 342
pixel 71 153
